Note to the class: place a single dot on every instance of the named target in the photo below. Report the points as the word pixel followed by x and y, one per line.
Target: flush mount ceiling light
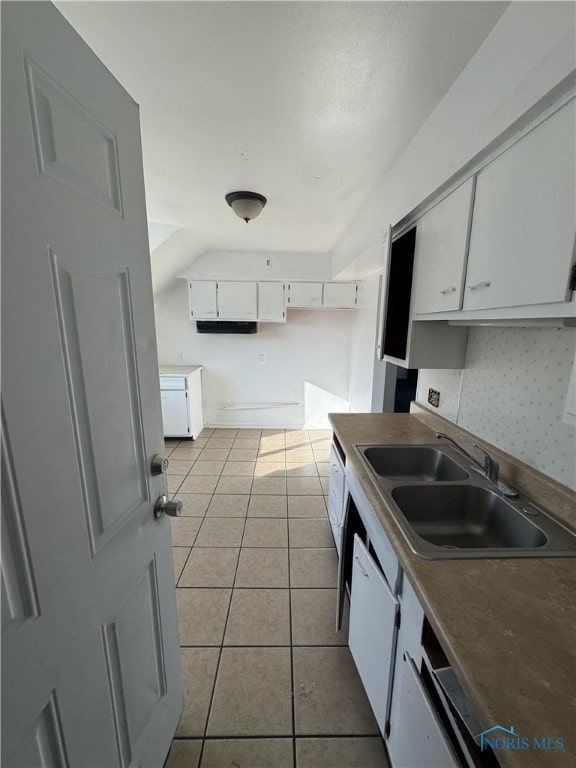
pixel 246 205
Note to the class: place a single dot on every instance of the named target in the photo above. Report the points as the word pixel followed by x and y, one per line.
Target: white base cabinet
pixel 417 738
pixel 181 399
pixel 373 630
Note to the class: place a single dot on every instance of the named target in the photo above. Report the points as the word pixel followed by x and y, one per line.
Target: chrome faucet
pixel 490 467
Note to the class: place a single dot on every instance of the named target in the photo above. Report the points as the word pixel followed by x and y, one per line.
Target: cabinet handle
pixel 448 290
pixel 362 571
pixel 483 284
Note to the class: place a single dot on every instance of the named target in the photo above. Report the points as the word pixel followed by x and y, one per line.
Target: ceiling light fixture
pixel 246 205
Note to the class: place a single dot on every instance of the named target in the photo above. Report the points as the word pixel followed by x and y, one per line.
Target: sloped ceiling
pixel 308 103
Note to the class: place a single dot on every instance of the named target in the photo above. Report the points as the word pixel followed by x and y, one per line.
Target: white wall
pixel 252 266
pixel 307 358
pixel 529 51
pixel 512 392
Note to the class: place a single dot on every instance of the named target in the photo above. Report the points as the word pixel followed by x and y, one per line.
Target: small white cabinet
pixel 373 629
pixel 271 302
pixel 440 252
pixel 237 300
pixel 202 299
pixel 181 400
pixel 522 237
pixel 340 295
pixel 336 497
pixel 305 295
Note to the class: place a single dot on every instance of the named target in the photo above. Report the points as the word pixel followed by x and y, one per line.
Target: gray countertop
pixel 178 370
pixel 507 626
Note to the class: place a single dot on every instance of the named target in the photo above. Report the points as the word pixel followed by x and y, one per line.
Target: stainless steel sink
pixel 447 512
pixel 465 517
pixel 412 462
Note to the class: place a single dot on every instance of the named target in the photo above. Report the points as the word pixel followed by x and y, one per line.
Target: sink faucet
pixel 490 466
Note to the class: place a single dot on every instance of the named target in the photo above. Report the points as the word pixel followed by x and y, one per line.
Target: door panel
pixel 90 644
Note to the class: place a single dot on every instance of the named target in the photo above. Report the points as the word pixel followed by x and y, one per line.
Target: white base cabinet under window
pixel 373 630
pixel 181 398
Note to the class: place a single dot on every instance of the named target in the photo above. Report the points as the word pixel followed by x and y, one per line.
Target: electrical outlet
pixel 434 397
pixel 268 262
pixel 262 358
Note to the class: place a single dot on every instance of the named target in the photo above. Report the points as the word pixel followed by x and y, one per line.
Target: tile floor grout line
pixel 292 678
pixel 209 710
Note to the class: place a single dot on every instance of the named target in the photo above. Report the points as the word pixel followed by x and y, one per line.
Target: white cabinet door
pixel 373 630
pixel 522 236
pixel 271 302
pixel 336 498
pixel 236 300
pixel 202 299
pixel 175 413
pixel 340 295
pixel 440 258
pixel 305 295
pixel 417 738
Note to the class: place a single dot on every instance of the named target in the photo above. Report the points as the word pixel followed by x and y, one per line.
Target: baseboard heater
pixel 226 326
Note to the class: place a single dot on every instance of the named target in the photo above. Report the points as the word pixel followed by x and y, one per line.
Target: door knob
pixel 158 465
pixel 171 508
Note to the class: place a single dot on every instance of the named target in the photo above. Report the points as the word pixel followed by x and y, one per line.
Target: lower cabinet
pixel 417 738
pixel 373 629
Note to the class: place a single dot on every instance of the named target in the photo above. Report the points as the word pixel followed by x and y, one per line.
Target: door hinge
pixel 188 430
pixel 397 620
pixel 387 728
pixel 572 284
pixel 186 393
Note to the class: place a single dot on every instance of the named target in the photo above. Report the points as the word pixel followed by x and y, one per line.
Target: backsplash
pixel 512 392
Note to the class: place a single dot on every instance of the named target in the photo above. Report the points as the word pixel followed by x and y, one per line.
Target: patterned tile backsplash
pixel 512 392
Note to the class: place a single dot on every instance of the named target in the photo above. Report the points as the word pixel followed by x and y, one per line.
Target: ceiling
pixel 308 103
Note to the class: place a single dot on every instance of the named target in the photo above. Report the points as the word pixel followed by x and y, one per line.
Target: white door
pixel 237 300
pixel 90 654
pixel 202 299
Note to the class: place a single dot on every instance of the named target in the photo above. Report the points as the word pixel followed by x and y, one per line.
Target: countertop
pixel 507 625
pixel 178 370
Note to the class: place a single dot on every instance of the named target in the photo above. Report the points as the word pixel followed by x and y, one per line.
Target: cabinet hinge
pixel 397 620
pixel 387 728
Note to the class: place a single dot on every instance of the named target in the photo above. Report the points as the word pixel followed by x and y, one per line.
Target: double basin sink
pixel 447 510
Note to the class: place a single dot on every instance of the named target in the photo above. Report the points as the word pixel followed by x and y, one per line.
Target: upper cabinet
pixel 271 302
pixel 202 300
pixel 340 295
pixel 522 237
pixel 237 300
pixel 305 294
pixel 330 295
pixel 440 252
pixel 265 301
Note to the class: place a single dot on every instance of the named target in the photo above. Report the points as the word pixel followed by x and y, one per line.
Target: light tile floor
pixel 267 680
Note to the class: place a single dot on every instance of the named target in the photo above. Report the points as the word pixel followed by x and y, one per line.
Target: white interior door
pixel 89 632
